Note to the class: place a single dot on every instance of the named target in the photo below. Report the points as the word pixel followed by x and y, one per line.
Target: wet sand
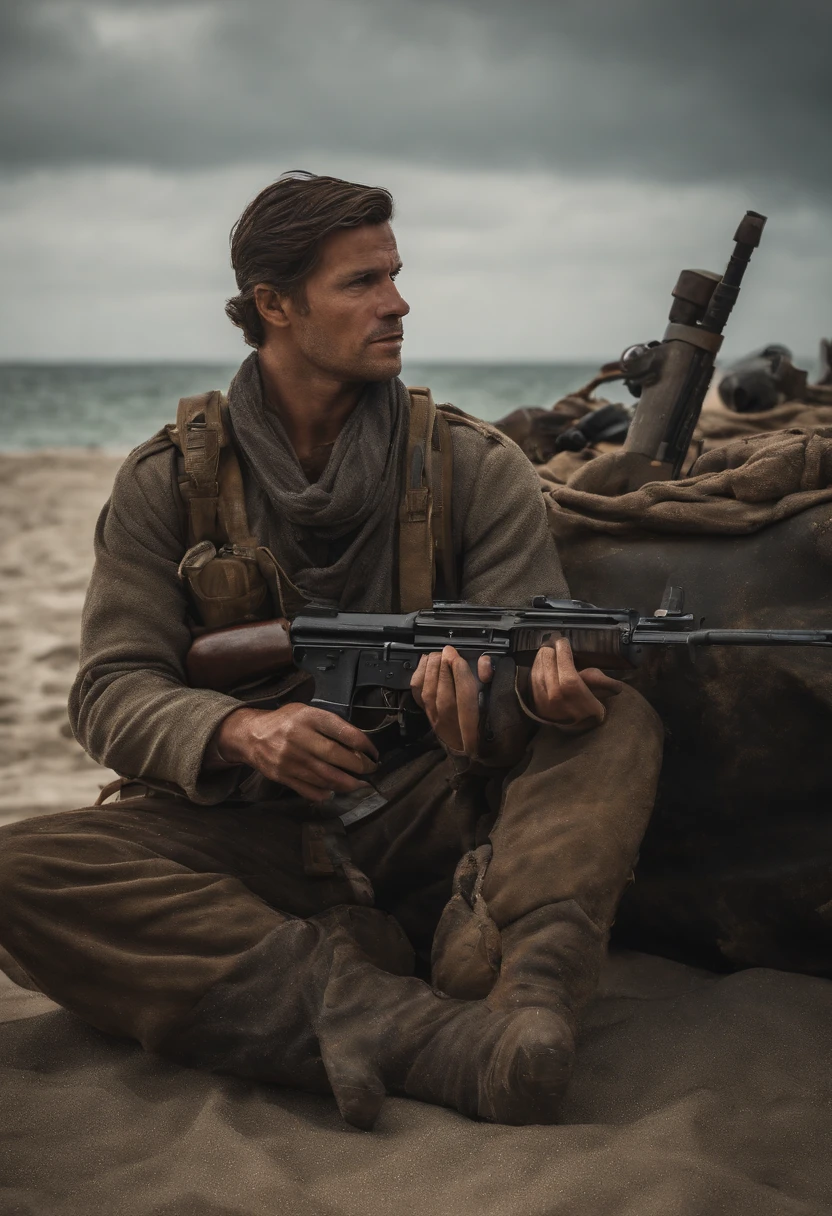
pixel 49 502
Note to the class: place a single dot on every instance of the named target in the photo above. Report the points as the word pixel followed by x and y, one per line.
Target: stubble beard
pixel 367 364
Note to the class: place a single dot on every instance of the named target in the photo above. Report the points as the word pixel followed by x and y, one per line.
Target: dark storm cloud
pixel 723 90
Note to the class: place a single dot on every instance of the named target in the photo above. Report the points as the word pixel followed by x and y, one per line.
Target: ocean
pixel 115 406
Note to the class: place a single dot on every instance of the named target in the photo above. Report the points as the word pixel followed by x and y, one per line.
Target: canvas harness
pixel 211 487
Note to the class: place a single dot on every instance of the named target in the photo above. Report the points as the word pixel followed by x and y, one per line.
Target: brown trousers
pixel 128 914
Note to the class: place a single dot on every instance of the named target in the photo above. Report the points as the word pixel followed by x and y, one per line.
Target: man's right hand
pixel 314 752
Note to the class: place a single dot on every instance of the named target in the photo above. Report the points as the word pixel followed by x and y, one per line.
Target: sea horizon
pixel 115 405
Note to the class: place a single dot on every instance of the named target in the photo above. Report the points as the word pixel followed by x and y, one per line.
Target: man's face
pixel 351 326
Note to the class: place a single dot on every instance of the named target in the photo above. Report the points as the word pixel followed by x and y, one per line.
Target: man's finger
pixel 545 686
pixel 313 793
pixel 575 694
pixel 417 681
pixel 446 688
pixel 485 668
pixel 574 689
pixel 466 700
pixel 551 701
pixel 349 736
pixel 545 671
pixel 347 758
pixel 559 693
pixel 430 685
pixel 316 772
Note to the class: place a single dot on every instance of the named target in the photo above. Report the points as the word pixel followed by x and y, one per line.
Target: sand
pixel 49 501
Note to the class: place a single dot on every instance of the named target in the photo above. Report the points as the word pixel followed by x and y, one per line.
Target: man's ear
pixel 271 305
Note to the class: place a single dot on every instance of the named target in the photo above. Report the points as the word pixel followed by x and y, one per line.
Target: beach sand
pixel 49 502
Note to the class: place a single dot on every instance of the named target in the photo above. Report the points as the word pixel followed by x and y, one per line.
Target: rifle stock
pixel 229 658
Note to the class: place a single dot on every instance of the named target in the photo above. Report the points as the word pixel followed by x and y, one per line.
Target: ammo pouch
pixel 225 586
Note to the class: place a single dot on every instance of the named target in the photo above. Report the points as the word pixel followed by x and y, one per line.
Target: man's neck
pixel 312 407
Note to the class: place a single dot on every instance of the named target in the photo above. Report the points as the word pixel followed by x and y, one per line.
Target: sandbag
pixel 736 868
pixel 718 425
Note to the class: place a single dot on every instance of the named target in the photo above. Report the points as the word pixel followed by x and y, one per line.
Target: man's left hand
pixel 565 696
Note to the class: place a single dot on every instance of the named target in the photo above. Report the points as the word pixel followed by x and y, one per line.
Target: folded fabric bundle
pixel 739 488
pixel 717 424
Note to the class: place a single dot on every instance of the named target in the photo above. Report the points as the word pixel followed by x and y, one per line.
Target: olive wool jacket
pixel 130 706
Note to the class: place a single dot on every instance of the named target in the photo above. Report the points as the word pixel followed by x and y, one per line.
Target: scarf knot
pixel 355 501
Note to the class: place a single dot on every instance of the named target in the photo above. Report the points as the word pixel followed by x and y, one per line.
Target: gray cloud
pixel 135 264
pixel 732 91
pixel 555 162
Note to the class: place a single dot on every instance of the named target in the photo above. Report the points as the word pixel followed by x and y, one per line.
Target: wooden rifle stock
pixel 228 658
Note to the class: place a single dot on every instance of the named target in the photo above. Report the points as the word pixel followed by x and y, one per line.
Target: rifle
pixel 346 652
pixel 671 377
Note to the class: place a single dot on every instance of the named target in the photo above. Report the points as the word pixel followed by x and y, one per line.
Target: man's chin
pixel 381 365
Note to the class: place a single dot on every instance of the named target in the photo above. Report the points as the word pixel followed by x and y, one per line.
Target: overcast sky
pixel 555 163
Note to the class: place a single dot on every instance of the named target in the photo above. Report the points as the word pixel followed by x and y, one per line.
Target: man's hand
pixel 314 752
pixel 444 687
pixel 562 694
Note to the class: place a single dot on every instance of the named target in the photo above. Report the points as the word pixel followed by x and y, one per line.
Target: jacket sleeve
pixel 508 555
pixel 130 706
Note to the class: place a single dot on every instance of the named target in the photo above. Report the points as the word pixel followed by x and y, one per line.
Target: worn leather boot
pixel 327 1004
pixel 528 923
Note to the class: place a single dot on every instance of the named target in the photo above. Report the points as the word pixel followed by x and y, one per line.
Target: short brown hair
pixel 279 236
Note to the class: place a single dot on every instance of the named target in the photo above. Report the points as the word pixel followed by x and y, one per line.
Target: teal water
pixel 114 406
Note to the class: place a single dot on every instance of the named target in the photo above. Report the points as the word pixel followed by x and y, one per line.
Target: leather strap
pixel 416 541
pixel 231 509
pixel 443 531
pixel 201 436
pixel 213 484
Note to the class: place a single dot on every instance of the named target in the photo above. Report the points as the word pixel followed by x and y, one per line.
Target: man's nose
pixel 394 303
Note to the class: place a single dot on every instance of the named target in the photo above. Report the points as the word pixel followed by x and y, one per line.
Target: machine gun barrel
pixel 732 637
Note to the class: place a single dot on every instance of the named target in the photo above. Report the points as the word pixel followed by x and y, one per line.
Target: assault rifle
pixel 346 652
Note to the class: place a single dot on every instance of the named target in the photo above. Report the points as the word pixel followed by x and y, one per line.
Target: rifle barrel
pixel 733 637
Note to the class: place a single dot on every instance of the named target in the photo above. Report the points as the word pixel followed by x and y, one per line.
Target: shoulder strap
pixel 443 529
pixel 212 486
pixel 425 517
pixel 416 560
pixel 200 436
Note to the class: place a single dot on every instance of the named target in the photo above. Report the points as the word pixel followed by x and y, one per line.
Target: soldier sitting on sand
pixel 220 913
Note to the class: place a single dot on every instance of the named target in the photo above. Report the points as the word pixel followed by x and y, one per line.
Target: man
pixel 221 912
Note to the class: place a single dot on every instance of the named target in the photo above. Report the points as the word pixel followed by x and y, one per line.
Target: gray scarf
pixel 334 538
